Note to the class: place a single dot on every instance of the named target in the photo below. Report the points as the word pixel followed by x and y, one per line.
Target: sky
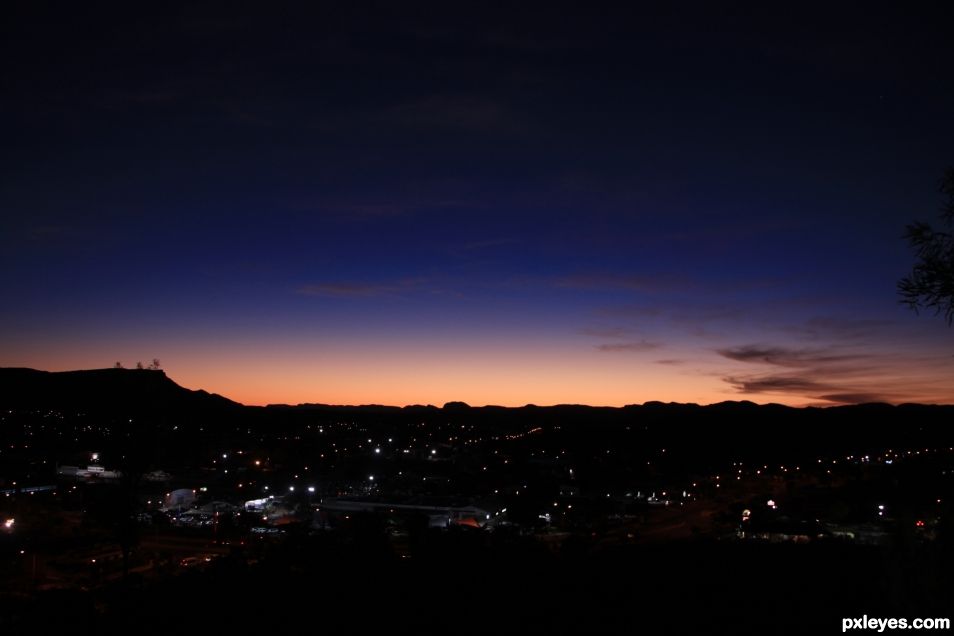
pixel 499 203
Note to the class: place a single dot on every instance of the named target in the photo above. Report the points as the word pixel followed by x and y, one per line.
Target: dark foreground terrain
pixel 518 588
pixel 132 506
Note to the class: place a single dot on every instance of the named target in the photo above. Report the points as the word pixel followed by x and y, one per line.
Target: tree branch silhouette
pixel 930 285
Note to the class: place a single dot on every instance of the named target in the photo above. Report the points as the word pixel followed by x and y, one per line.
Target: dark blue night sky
pixel 409 203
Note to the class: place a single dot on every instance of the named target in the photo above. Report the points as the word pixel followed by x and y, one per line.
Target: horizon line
pixel 464 404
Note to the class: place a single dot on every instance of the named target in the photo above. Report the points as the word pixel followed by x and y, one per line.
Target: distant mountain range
pixel 696 433
pixel 147 390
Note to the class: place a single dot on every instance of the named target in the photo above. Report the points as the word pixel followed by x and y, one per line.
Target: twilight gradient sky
pixel 407 203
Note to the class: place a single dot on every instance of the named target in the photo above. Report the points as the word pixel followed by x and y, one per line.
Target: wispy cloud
pixel 776 384
pixel 607 332
pixel 629 312
pixel 628 347
pixel 860 398
pixel 488 243
pixel 839 328
pixel 362 289
pixel 824 375
pixel 788 357
pixel 636 283
pixel 800 385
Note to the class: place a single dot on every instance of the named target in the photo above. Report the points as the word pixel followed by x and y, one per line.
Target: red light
pixel 919 523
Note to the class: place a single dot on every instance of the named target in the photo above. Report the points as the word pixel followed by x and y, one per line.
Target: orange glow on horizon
pixel 506 373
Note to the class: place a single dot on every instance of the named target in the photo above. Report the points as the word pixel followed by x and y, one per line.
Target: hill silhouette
pixel 104 390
